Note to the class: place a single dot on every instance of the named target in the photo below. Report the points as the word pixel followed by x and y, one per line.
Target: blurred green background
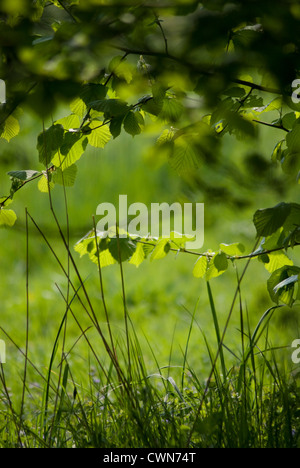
pixel 161 295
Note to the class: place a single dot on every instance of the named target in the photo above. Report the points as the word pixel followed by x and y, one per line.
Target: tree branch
pixel 229 257
pixel 196 69
pixel 280 127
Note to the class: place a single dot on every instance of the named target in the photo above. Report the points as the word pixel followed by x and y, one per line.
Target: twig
pixel 196 69
pixel 158 22
pixel 229 257
pixel 280 127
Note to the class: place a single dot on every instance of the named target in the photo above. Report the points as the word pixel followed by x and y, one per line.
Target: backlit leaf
pixel 66 177
pixel 10 128
pixel 99 135
pixel 133 123
pixel 233 249
pixel 49 142
pixel 7 217
pixel 200 267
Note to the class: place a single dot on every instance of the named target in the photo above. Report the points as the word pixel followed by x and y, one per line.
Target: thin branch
pixel 229 257
pixel 158 22
pixel 67 11
pixel 87 115
pixel 196 69
pixel 279 127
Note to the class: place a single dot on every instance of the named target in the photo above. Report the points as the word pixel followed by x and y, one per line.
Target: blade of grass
pixel 217 328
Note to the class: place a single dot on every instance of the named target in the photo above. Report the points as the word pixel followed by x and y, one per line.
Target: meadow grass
pixel 245 398
pixel 147 357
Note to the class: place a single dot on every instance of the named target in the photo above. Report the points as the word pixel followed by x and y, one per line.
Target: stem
pixel 102 290
pixel 158 22
pixel 280 127
pixel 219 348
pixel 211 255
pixel 27 320
pixel 124 304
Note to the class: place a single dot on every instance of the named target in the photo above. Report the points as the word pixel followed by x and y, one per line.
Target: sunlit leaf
pixel 161 250
pixel 233 249
pixel 99 135
pixel 200 267
pixel 10 128
pixel 277 260
pixel 66 177
pixel 7 217
pixel 218 268
pixel 44 184
pixel 73 147
pixel 139 255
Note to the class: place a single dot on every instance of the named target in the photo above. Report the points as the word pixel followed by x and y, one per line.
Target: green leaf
pixel 277 152
pixel 110 107
pixel 69 122
pixel 235 91
pixel 100 134
pixel 233 249
pixel 92 92
pixel 161 249
pixel 7 217
pixel 49 142
pixel 133 123
pixel 10 128
pixel 115 125
pixel 23 175
pixel 154 106
pixel 293 140
pixel 282 285
pixel 122 248
pixel 87 246
pixel 139 255
pixel 267 221
pixel 289 119
pixel 178 240
pixel 290 163
pixel 184 157
pixel 200 267
pixel 291 280
pixel 73 147
pixel 275 104
pixel 216 269
pixel 277 260
pixel 44 185
pixel 66 177
pixel 221 262
pixel 121 68
pixel 171 110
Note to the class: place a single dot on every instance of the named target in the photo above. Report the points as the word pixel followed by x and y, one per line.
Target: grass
pixel 119 400
pixel 147 357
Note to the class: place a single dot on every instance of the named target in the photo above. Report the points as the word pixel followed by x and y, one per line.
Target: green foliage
pixel 189 77
pixel 191 99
